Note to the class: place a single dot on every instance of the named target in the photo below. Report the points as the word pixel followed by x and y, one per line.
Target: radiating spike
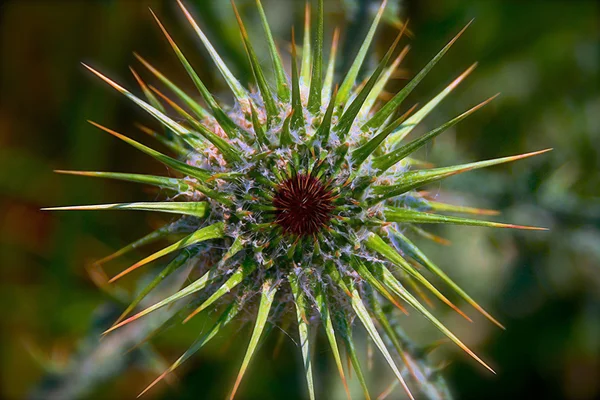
pixel 162 118
pixel 283 90
pixel 196 108
pixel 363 315
pixel 345 123
pixel 227 316
pixel 429 236
pixel 348 83
pixel 306 49
pixel 150 238
pixel 444 207
pixel 160 181
pixel 177 165
pixel 180 148
pixel 196 209
pixel 230 153
pixel 376 243
pixel 363 271
pixel 391 334
pixel 168 270
pixel 238 276
pixel 238 90
pixel 259 129
pixel 301 305
pixel 322 304
pixel 324 129
pixel 149 95
pixel 427 108
pixel 391 282
pixel 380 85
pixel 261 81
pixel 329 75
pixel 316 82
pixel 414 179
pixel 230 128
pixel 346 333
pixel 387 110
pixel 215 231
pixel 193 287
pixel 360 154
pixel 285 139
pixel 414 251
pixel 298 120
pixel 403 215
pixel 266 300
pixel 386 161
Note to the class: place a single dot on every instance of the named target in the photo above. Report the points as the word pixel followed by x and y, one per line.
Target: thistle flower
pixel 301 196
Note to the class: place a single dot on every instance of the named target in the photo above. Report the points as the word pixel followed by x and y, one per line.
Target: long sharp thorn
pixel 348 83
pixel 238 90
pixel 266 300
pixel 387 110
pixel 415 179
pixel 316 82
pixel 214 231
pixel 386 161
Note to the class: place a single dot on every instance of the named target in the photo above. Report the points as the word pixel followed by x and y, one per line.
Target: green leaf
pixel 306 48
pixel 404 215
pixel 416 253
pixel 259 75
pixel 300 302
pixel 194 287
pixel 177 165
pixel 152 237
pixel 226 317
pixel 248 266
pixel 363 315
pixel 283 89
pixel 324 129
pixel 238 90
pixel 352 75
pixel 322 304
pixel 345 123
pixel 170 268
pixel 346 329
pixel 392 283
pixel 377 244
pixel 360 154
pixel 215 231
pixel 316 82
pixel 182 132
pixel 196 108
pixel 163 182
pixel 386 161
pixel 328 83
pixel 230 128
pixel 427 108
pixel 196 209
pixel 266 300
pixel 298 120
pixel 387 110
pixel 380 85
pixel 413 179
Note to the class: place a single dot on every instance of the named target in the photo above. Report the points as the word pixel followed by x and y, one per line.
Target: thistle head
pixel 301 193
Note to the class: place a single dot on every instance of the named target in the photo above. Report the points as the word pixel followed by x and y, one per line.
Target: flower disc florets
pixel 304 193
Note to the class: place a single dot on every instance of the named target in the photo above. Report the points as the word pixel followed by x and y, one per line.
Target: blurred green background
pixel 543 56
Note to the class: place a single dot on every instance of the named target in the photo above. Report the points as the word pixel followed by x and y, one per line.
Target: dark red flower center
pixel 303 205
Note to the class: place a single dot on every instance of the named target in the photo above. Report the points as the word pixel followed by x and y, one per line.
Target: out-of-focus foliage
pixel 544 57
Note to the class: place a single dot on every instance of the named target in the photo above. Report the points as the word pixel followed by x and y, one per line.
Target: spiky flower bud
pixel 300 194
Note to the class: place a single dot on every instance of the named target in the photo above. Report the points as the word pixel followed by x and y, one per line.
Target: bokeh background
pixel 543 56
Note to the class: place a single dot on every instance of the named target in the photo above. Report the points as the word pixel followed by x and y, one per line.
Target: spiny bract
pixel 301 194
